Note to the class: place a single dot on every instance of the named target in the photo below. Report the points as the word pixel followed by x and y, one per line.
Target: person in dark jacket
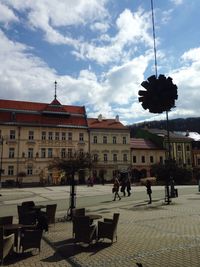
pixel 149 191
pixel 128 186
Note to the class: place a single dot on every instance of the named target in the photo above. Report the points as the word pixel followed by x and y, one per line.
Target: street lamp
pixel 1 159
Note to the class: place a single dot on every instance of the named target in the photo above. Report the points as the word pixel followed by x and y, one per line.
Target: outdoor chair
pixel 84 232
pixel 78 212
pixel 30 238
pixel 6 220
pixel 28 204
pixel 51 213
pixel 6 244
pixel 26 216
pixel 108 228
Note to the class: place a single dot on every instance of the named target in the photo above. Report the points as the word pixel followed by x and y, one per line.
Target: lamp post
pixel 1 160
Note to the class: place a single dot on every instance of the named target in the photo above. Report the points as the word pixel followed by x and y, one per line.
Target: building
pixel 110 146
pixel 180 146
pixel 33 134
pixel 144 154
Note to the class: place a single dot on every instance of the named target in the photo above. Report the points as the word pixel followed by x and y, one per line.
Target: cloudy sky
pixel 99 52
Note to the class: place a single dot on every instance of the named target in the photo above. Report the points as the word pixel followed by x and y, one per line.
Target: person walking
pixel 149 191
pixel 116 189
pixel 123 187
pixel 128 186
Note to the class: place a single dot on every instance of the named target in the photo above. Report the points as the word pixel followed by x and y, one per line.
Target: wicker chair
pixel 6 244
pixel 51 213
pixel 30 238
pixel 84 232
pixel 26 216
pixel 28 204
pixel 6 220
pixel 77 213
pixel 108 228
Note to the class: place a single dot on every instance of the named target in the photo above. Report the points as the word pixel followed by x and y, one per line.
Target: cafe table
pixel 15 228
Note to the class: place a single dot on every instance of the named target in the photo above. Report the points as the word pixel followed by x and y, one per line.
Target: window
pixel 161 159
pixel 134 159
pixel 30 135
pixel 179 147
pixel 50 136
pixel 187 148
pixel 115 157
pixel 69 152
pixel 57 136
pixel 125 158
pixel 198 161
pixel 10 170
pixel 50 152
pixel 143 159
pixel 81 151
pixel 63 136
pixel 11 152
pixel 105 157
pixel 30 170
pixel 63 153
pixel 95 157
pixel 30 153
pixel 95 139
pixel 151 159
pixel 43 153
pixel 12 134
pixel 81 137
pixel 114 140
pixel 70 136
pixel 104 139
pixel 43 135
pixel 124 140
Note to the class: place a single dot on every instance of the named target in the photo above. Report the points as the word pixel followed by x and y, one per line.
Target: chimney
pixel 100 117
pixel 117 118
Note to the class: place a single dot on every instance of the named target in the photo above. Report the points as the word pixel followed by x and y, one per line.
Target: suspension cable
pixel 154 38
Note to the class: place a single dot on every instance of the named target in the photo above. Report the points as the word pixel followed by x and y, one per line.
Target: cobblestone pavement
pixel 154 235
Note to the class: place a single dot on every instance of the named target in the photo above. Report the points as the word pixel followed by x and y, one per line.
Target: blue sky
pixel 99 52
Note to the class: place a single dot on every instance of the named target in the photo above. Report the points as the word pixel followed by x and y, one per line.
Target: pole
pixel 168 159
pixel 72 202
pixel 1 170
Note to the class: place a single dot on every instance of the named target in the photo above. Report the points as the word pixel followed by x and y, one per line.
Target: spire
pixel 55 89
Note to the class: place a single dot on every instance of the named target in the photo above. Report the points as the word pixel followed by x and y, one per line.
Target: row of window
pixel 11 170
pixel 104 140
pixel 143 159
pixel 49 135
pixel 67 136
pixel 114 157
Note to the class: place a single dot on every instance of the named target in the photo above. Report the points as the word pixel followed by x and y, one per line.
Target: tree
pixel 71 165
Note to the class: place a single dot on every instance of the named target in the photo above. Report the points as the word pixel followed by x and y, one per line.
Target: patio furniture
pixel 6 220
pixel 6 244
pixel 84 232
pixel 77 213
pixel 28 204
pixel 26 216
pixel 51 213
pixel 30 238
pixel 108 228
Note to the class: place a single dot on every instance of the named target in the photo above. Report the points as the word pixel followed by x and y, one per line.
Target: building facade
pixel 144 154
pixel 33 134
pixel 110 147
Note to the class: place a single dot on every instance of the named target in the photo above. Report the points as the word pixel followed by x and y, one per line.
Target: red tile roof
pixel 94 123
pixel 31 113
pixel 140 143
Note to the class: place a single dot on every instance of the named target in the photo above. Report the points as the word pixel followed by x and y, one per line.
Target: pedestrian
pixel 123 187
pixel 149 191
pixel 128 186
pixel 116 189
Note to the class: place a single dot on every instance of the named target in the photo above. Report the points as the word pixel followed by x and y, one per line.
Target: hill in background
pixel 189 124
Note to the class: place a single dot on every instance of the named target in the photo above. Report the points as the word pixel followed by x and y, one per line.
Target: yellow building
pixel 110 146
pixel 144 154
pixel 33 134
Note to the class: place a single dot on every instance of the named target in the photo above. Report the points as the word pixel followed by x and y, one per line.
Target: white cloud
pixel 7 15
pixel 177 2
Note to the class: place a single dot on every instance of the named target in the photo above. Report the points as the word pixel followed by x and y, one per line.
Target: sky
pixel 99 52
